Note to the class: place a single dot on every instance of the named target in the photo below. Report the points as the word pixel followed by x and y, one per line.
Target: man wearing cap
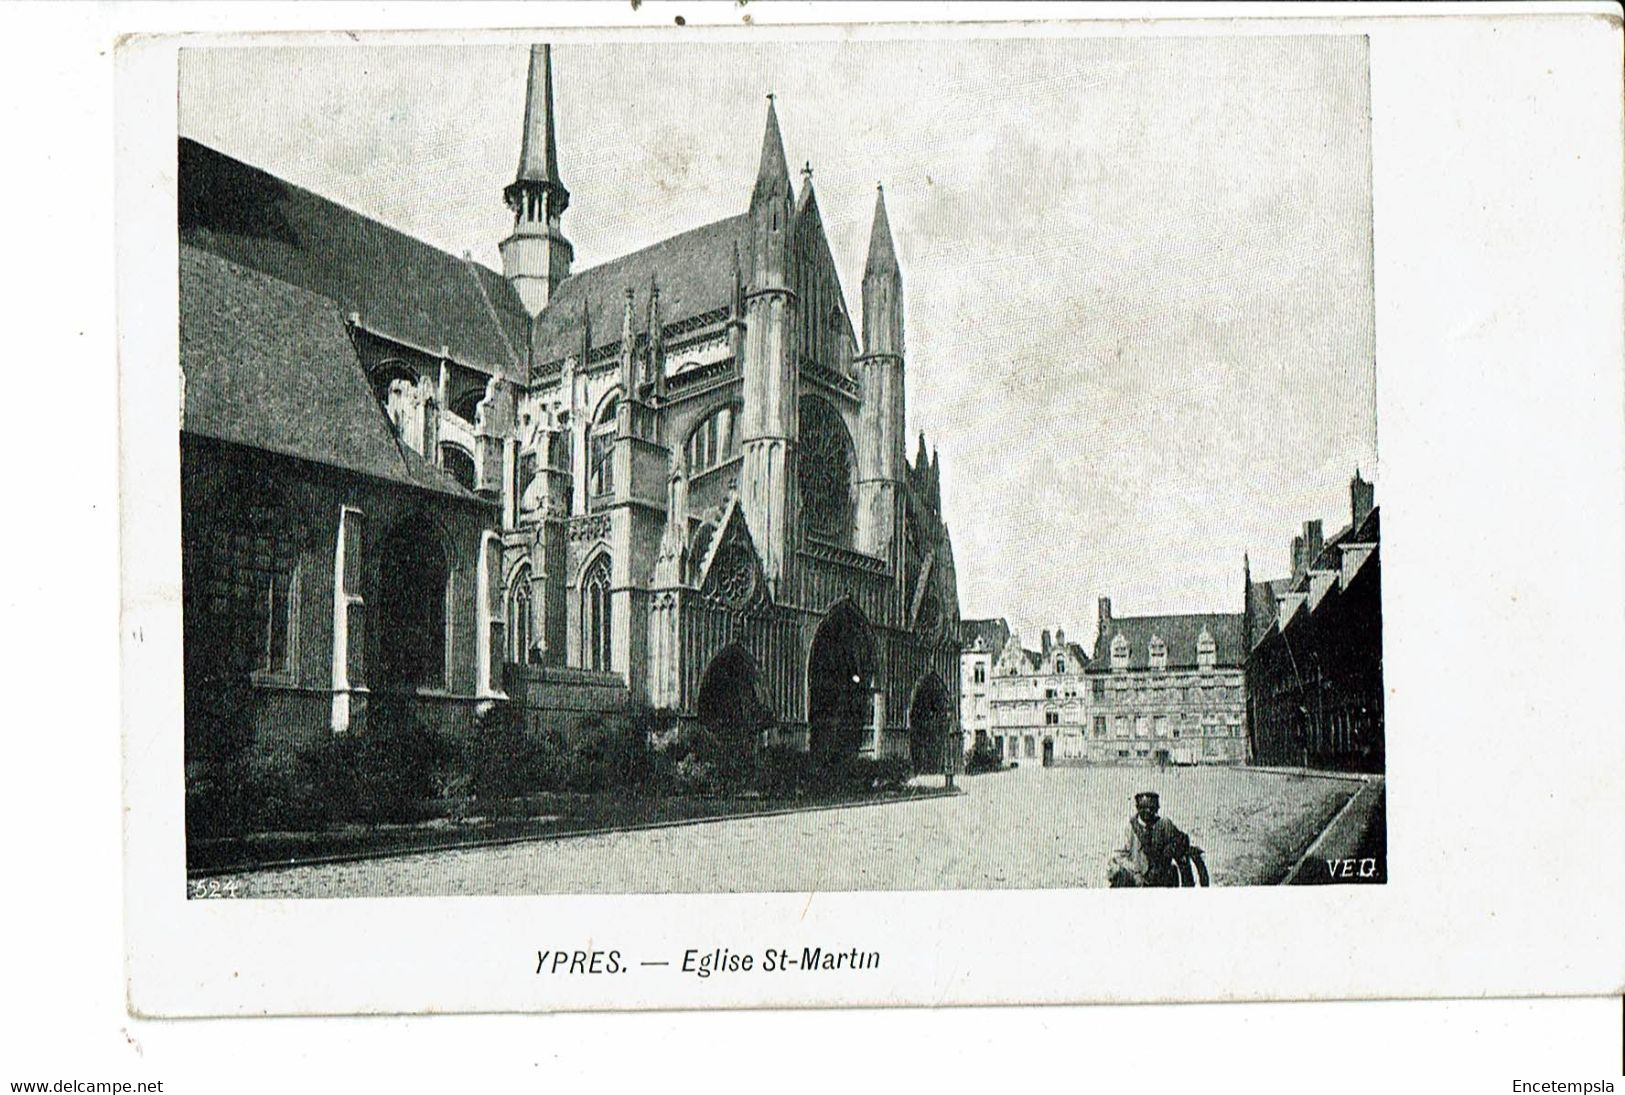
pixel 1150 846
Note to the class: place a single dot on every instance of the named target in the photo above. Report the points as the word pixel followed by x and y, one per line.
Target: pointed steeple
pixel 882 255
pixel 539 150
pixel 536 257
pixel 773 173
pixel 882 288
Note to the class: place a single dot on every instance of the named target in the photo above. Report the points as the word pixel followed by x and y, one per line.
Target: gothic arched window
pixel 520 626
pixel 601 453
pixel 824 472
pixel 714 441
pixel 596 617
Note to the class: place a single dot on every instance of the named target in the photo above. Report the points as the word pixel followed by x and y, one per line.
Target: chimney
pixel 1105 614
pixel 1043 641
pixel 1297 558
pixel 1362 499
pixel 1060 637
pixel 1312 543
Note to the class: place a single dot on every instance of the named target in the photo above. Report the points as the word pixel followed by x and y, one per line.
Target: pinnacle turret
pixel 773 173
pixel 882 255
pixel 882 288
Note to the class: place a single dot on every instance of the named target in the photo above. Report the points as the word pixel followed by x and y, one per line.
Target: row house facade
pixel 1040 701
pixel 1167 689
pixel 1314 664
pixel 981 643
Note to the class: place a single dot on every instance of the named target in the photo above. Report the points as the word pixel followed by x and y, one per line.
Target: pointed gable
pixel 730 571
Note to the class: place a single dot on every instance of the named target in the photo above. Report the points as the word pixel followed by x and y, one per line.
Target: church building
pixel 675 479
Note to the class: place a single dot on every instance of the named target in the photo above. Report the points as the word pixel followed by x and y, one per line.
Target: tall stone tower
pixel 767 429
pixel 880 371
pixel 536 257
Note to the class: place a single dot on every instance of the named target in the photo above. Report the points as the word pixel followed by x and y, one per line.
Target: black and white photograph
pixel 746 512
pixel 824 466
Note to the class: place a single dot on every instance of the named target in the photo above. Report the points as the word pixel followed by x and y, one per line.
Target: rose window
pixel 825 472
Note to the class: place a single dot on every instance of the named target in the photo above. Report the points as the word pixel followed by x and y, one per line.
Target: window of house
pixel 1122 754
pixel 1119 652
pixel 714 441
pixel 1060 665
pixel 1100 726
pixel 1052 718
pixel 1030 747
pixel 596 618
pixel 1098 687
pixel 1160 726
pixel 1049 693
pixel 1159 653
pixel 1205 650
pixel 1124 727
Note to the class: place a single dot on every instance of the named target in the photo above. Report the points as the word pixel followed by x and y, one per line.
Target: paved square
pixel 1031 828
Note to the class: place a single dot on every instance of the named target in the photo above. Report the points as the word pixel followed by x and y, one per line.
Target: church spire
pixel 536 257
pixel 882 288
pixel 539 150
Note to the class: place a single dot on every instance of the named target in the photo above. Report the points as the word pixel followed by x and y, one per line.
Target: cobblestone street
pixel 1031 828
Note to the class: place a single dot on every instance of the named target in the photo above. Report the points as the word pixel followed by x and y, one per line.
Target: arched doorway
pixel 414 577
pixel 840 679
pixel 930 717
pixel 730 706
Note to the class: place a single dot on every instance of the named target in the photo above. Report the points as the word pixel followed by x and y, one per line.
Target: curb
pixel 1342 834
pixel 537 838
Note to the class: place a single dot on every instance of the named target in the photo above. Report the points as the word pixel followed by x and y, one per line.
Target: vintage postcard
pixel 769 517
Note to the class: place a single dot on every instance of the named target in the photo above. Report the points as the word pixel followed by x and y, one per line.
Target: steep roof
pixel 1178 633
pixel 693 270
pixel 401 287
pixel 993 633
pixel 271 366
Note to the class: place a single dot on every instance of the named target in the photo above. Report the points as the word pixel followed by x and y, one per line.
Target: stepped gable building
pixel 980 643
pixel 1040 703
pixel 1167 689
pixel 677 478
pixel 1314 664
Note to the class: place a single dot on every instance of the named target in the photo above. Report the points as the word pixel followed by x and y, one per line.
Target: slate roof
pixel 401 287
pixel 993 633
pixel 271 366
pixel 1179 633
pixel 694 271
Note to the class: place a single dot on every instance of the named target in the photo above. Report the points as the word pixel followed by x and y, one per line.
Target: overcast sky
pixel 1137 271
